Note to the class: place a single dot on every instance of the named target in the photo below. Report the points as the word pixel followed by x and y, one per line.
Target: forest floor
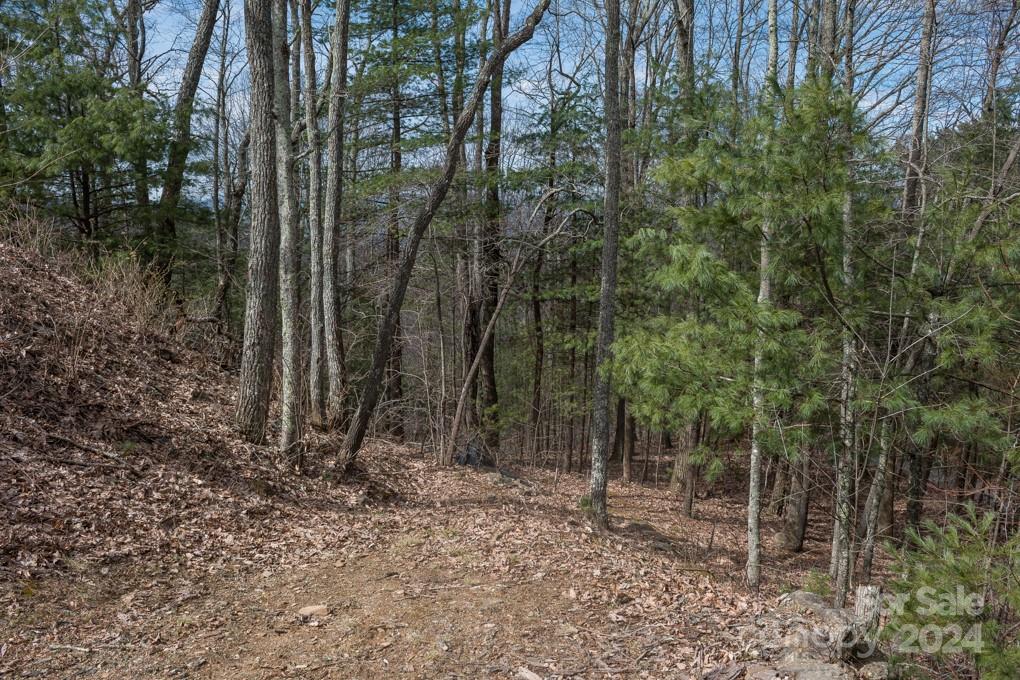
pixel 475 574
pixel 139 537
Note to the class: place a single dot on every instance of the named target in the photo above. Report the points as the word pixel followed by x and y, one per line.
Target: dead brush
pixel 121 280
pixel 24 228
pixel 73 346
pixel 118 277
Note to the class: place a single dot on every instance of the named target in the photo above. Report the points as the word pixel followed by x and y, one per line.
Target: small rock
pixel 734 671
pixel 525 673
pixel 313 611
pixel 803 600
pixel 876 670
pixel 814 670
pixel 566 629
pixel 759 673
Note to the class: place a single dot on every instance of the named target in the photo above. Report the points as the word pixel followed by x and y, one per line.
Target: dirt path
pixel 480 575
pixel 398 612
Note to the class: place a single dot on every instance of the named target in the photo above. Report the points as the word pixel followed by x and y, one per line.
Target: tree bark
pixel 620 425
pixel 219 164
pixel 394 392
pixel 628 448
pixel 165 232
pixel 759 423
pixel 260 316
pixel 316 365
pixel 794 42
pixel 779 488
pixel 796 512
pixel 336 368
pixel 134 20
pixel 490 256
pixel 539 360
pixel 474 257
pixel 573 367
pixel 843 533
pixel 995 61
pixel 610 247
pixel 915 158
pixel 684 12
pixel 290 238
pixel 872 511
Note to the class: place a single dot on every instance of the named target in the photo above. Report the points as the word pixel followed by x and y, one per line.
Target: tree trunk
pixel 736 72
pixel 620 428
pixel 828 40
pixel 290 239
pixel 134 21
pixel 474 259
pixel 685 469
pixel 336 369
pixel 165 232
pixel 843 533
pixel 394 392
pixel 260 315
pixel 916 483
pixel 628 448
pixel 220 165
pixel 778 498
pixel 610 247
pixel 759 424
pixel 490 258
pixel 915 159
pixel 796 512
pixel 539 361
pixel 573 366
pixel 995 61
pixel 316 364
pixel 794 42
pixel 872 511
pixel 684 11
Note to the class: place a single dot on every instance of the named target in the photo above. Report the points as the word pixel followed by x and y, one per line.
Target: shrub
pixel 955 606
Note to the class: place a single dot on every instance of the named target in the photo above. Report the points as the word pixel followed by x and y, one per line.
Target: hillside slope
pixel 115 440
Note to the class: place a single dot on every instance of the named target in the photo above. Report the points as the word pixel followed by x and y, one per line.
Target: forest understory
pixel 144 538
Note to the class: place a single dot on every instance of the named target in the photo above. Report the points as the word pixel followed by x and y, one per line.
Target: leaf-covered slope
pixel 115 441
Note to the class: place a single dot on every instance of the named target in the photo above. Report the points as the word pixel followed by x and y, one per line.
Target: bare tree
pixel 610 248
pixel 263 257
pixel 290 237
pixel 180 143
pixel 316 363
pixel 759 424
pixel 336 368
